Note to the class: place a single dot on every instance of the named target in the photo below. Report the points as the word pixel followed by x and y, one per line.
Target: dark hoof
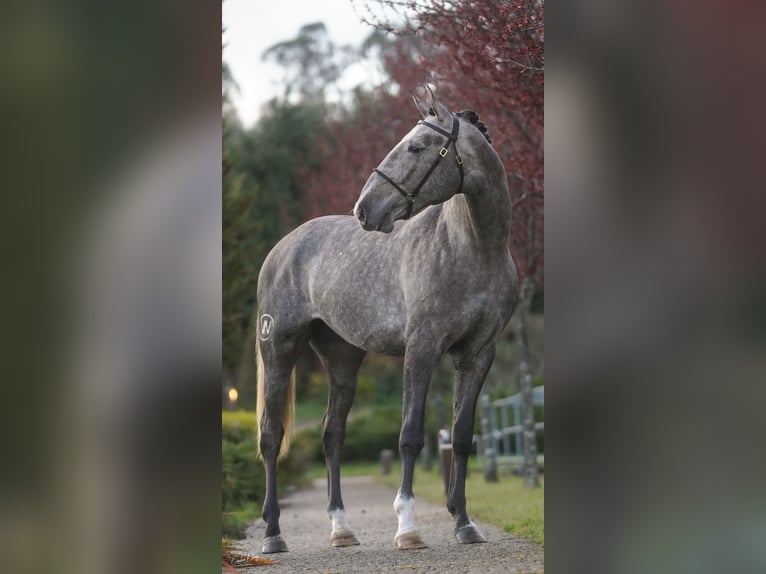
pixel 469 534
pixel 343 537
pixel 410 541
pixel 273 544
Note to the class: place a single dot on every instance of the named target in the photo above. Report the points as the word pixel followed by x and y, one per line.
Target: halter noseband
pixel 451 141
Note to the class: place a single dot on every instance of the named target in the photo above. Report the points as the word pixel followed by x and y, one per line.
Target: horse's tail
pixel 288 410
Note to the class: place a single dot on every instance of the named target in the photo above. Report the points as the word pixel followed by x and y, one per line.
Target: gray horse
pixel 441 282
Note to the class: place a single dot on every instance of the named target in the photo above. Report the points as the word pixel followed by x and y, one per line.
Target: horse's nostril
pixel 360 215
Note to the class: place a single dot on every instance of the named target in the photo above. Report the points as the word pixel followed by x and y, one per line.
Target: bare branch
pixel 524 196
pixel 519 64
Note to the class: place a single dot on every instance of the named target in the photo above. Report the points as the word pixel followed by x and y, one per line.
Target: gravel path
pixel 306 529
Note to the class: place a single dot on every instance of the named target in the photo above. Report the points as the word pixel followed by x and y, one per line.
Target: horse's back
pixel 289 265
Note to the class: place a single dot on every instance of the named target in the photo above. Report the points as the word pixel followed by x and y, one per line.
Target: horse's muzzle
pixel 371 221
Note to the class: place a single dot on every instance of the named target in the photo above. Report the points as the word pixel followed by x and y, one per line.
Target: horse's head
pixel 423 169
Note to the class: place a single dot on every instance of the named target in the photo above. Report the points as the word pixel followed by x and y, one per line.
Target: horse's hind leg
pixel 342 362
pixel 276 360
pixel 470 373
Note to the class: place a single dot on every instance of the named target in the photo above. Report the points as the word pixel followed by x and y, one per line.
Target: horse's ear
pixel 439 109
pixel 423 107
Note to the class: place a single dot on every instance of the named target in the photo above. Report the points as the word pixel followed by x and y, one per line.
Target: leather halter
pixel 451 141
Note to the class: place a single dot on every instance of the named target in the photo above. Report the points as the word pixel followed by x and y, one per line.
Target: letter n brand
pixel 267 324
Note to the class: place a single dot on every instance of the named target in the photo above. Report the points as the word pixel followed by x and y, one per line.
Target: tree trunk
pixel 529 465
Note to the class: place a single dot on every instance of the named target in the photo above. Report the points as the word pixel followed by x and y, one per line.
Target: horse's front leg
pixel 418 365
pixel 470 372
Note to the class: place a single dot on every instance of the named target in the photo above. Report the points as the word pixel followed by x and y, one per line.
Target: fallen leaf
pixel 235 559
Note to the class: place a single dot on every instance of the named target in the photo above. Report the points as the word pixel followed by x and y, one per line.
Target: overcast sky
pixel 251 26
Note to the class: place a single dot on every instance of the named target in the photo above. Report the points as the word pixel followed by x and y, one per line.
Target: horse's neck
pixel 482 214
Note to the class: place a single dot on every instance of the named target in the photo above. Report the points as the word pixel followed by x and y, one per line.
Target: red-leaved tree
pixel 357 139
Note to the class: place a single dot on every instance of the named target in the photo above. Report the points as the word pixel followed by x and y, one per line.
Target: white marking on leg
pixel 405 510
pixel 338 519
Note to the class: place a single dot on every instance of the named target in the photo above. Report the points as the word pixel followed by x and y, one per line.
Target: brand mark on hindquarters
pixel 266 327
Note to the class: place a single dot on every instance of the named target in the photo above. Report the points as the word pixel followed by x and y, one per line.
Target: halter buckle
pixel 443 152
pixel 459 159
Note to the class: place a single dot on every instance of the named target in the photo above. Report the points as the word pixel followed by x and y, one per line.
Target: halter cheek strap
pixel 451 142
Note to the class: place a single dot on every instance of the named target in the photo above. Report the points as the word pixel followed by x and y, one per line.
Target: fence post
pixel 490 462
pixel 479 445
pixel 386 456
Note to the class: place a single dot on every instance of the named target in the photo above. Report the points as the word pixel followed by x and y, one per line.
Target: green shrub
pixel 366 436
pixel 238 426
pixel 243 480
pixel 366 389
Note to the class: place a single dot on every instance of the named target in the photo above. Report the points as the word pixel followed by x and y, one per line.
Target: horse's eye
pixel 414 149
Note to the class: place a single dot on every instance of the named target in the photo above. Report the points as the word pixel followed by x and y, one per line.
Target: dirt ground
pixel 306 529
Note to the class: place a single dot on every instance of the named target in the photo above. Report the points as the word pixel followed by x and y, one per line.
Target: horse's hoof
pixel 273 544
pixel 469 534
pixel 343 537
pixel 410 541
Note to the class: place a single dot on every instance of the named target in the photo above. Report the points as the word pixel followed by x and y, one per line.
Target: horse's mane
pixel 473 117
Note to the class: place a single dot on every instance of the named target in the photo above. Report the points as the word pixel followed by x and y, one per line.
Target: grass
pixel 506 504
